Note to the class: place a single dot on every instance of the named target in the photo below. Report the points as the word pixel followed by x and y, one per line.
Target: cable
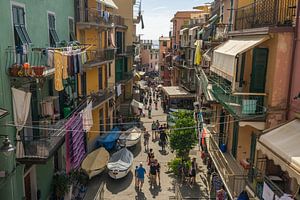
pixel 172 129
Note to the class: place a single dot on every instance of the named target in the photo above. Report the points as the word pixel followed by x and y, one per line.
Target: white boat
pixel 131 137
pixel 95 162
pixel 120 163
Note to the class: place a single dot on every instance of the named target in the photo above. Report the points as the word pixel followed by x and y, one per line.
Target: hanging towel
pixel 21 107
pixel 65 66
pixel 58 74
pixel 198 56
pixel 87 117
pixel 50 59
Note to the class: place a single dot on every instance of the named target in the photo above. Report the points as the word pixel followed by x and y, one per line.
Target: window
pixel 145 47
pixel 156 56
pixel 20 32
pixel 71 29
pixel 53 37
pixel 149 47
pixel 151 65
pixel 165 43
pixel 151 56
pixel 120 42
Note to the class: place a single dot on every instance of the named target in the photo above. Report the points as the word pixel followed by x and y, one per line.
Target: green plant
pixel 184 137
pixel 61 183
pixel 175 165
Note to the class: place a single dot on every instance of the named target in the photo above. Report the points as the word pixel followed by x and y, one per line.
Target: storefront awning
pixel 108 3
pixel 182 30
pixel 282 146
pixel 224 56
pixel 177 92
pixel 136 104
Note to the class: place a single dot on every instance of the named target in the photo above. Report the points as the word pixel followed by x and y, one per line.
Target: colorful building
pixel 249 82
pixel 165 57
pixel 29 29
pixel 149 56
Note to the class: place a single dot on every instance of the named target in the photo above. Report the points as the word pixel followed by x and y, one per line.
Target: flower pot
pixel 38 70
pixel 13 71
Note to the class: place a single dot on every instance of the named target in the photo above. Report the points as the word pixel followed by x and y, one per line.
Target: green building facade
pixel 30 24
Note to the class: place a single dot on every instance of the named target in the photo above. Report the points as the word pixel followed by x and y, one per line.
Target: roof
pixel 176 91
pixel 281 145
pixel 184 14
pixel 164 39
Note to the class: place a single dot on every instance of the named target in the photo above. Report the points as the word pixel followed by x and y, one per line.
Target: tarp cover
pixel 131 134
pixel 121 160
pixel 108 141
pixel 95 160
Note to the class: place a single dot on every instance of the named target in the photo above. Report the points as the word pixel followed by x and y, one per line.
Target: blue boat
pixel 108 141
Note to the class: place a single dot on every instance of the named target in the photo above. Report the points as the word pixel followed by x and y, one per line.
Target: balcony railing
pixel 18 61
pixel 119 21
pixel 102 95
pixel 241 105
pixel 234 180
pixel 125 76
pixel 99 56
pixel 266 13
pixel 38 143
pixel 94 16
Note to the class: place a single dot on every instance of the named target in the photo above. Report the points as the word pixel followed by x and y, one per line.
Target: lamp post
pixel 7 169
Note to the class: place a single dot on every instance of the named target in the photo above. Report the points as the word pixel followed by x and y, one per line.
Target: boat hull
pixel 116 174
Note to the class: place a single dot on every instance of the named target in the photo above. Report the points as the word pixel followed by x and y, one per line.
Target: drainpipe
pixel 293 60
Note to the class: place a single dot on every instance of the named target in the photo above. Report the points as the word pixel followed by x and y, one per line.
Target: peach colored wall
pixel 244 142
pixel 295 82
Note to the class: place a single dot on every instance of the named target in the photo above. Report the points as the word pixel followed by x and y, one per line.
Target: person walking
pixel 149 111
pixel 153 127
pixel 157 170
pixel 141 176
pixel 152 174
pixel 146 141
pixel 221 194
pixel 163 140
pixel 150 156
pixel 136 180
pixel 157 129
pixel 193 172
pixel 155 102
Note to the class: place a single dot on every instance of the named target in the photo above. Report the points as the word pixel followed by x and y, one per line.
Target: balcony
pixel 102 95
pixel 242 105
pixel 38 144
pixel 87 17
pixel 99 57
pixel 119 21
pixel 124 76
pixel 230 173
pixel 188 85
pixel 128 51
pixel 266 13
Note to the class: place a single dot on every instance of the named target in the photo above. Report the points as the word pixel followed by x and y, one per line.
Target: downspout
pixel 293 60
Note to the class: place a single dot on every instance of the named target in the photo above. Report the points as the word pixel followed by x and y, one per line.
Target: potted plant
pixel 38 70
pixel 14 70
pixel 61 185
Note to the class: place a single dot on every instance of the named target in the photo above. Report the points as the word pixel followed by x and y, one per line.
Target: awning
pixel 141 73
pixel 282 146
pixel 224 56
pixel 136 104
pixel 108 3
pixel 177 92
pixel 193 29
pixel 182 30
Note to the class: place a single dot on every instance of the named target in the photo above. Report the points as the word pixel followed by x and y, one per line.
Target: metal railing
pixel 102 95
pixel 94 15
pixel 266 13
pixel 234 180
pixel 119 20
pixel 100 55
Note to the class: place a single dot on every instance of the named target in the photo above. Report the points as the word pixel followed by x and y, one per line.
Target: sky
pixel 158 13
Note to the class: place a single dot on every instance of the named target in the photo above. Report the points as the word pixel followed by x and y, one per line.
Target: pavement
pixel 124 188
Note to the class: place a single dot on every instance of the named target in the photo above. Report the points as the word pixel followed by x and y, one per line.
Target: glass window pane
pixel 20 34
pixel 54 35
pixel 26 34
pixel 15 15
pixel 21 15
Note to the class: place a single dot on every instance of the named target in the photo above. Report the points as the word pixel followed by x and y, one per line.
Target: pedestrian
pixel 150 100
pixel 153 127
pixel 221 194
pixel 155 102
pixel 152 174
pixel 141 176
pixel 146 140
pixel 193 172
pixel 157 129
pixel 243 195
pixel 149 111
pixel 163 140
pixel 157 169
pixel 136 180
pixel 150 156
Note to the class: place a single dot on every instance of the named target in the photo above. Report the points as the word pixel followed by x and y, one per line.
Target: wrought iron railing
pixel 102 55
pixel 94 15
pixel 102 95
pixel 266 13
pixel 119 20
